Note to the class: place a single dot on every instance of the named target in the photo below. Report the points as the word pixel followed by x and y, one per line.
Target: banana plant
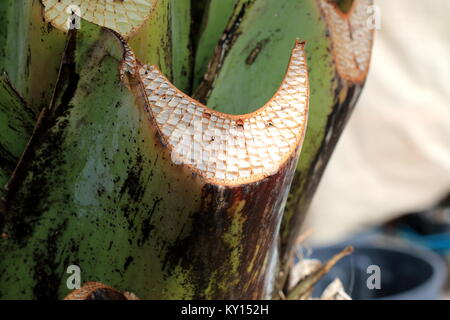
pixel 148 189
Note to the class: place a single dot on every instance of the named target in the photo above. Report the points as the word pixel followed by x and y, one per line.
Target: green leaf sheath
pixel 181 44
pixel 30 51
pixel 16 123
pixel 216 16
pixel 30 57
pixel 164 40
pixel 91 187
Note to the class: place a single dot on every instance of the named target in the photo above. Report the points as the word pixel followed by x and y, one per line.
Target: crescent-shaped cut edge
pixel 351 37
pixel 222 148
pixel 124 18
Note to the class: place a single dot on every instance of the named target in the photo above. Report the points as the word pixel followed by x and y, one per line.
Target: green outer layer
pixel 164 41
pixel 35 269
pixel 216 18
pixel 16 123
pixel 180 41
pixel 30 50
pixel 92 185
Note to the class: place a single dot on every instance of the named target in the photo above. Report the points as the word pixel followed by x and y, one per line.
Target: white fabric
pixel 394 155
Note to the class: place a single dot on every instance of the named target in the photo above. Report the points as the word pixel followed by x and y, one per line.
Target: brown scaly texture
pixel 231 149
pixel 352 38
pixel 99 291
pixel 227 148
pixel 125 17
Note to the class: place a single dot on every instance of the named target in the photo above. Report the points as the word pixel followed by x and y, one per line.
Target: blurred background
pixel 391 168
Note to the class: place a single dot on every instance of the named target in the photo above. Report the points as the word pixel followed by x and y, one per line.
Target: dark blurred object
pixel 407 272
pixel 403 250
pixel 429 228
